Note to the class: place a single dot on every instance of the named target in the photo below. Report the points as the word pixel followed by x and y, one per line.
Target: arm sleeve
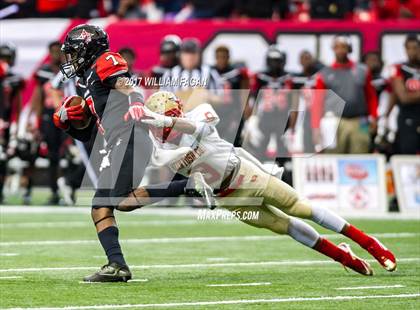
pixel 371 98
pixel 110 81
pixel 318 98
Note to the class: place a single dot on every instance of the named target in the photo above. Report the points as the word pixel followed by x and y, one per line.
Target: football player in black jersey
pixel 116 106
pixel 405 80
pixel 233 78
pixel 11 86
pixel 271 90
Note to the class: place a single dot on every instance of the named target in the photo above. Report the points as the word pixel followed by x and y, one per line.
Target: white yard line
pixel 370 287
pixel 194 239
pixel 226 302
pixel 9 254
pixel 10 277
pixel 217 259
pixel 202 265
pixel 239 284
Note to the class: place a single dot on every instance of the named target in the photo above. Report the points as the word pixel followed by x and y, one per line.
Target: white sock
pixel 328 219
pixel 302 232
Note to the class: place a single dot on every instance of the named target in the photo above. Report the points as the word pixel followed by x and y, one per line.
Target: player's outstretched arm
pixel 179 124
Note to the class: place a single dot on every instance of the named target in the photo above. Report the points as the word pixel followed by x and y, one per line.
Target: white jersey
pixel 202 151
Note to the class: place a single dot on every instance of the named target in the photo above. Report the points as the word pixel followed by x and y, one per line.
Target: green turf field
pixel 184 263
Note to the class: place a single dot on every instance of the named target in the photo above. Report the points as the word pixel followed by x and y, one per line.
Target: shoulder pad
pixel 205 113
pixel 110 64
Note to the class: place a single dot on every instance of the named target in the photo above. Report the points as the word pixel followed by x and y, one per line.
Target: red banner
pixel 144 37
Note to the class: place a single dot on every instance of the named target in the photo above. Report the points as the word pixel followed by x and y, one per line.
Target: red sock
pixel 357 236
pixel 328 248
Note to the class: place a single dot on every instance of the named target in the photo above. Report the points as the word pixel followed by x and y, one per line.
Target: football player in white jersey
pixel 189 143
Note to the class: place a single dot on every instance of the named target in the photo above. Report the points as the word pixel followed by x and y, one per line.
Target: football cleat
pixel 110 273
pixel 355 263
pixel 199 187
pixel 384 256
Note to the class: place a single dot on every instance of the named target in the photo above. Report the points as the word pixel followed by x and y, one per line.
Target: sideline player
pixel 189 142
pixel 104 84
pixel 405 80
pixel 11 87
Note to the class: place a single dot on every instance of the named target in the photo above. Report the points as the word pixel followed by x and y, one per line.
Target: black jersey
pixel 106 104
pixel 268 91
pixel 411 79
pixel 231 79
pixel 12 84
pixel 43 75
pixel 380 84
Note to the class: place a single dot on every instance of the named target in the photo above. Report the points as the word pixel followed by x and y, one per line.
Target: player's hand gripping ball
pixel 73 111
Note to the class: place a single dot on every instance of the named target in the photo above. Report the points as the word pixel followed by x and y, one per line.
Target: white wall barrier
pixel 406 172
pixel 351 185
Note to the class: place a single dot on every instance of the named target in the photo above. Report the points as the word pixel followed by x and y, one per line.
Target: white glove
pixel 156 120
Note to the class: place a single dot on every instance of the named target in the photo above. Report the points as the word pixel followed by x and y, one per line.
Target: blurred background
pixel 266 59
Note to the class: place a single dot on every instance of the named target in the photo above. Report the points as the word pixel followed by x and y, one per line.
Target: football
pixel 87 114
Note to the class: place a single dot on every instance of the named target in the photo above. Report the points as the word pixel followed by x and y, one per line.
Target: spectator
pixel 331 9
pixel 394 9
pixel 130 9
pixel 262 8
pixel 209 9
pixel 234 79
pixel 56 8
pixel 352 83
pixel 405 80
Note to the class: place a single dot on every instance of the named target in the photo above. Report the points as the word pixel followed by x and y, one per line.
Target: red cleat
pixel 355 263
pixel 382 255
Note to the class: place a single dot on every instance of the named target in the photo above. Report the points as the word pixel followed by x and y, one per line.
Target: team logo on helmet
pixel 85 36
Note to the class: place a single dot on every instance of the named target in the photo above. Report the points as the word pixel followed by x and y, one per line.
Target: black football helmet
pixel 82 45
pixel 8 53
pixel 275 60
